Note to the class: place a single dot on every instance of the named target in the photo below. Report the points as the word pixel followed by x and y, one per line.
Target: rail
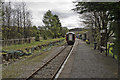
pixel 50 61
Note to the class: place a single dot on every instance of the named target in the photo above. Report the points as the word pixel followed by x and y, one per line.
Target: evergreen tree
pixel 47 19
pixel 52 24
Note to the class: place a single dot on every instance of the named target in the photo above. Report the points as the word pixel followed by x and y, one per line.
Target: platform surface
pixel 85 62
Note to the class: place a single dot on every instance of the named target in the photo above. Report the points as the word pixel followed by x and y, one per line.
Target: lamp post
pixel 104 32
pixel 101 41
pixel 106 40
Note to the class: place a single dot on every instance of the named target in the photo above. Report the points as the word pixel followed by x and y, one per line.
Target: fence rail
pixel 16 41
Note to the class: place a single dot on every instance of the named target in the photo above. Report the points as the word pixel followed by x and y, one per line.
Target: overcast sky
pixel 67 17
pixel 62 8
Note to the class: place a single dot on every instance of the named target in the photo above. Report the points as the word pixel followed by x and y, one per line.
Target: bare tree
pixel 97 21
pixel 6 15
pixel 24 18
pixel 16 17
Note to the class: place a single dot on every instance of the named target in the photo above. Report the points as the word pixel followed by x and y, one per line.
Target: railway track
pixel 52 66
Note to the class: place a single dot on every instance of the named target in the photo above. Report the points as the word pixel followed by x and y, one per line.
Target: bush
pixel 45 37
pixel 87 41
pixel 37 37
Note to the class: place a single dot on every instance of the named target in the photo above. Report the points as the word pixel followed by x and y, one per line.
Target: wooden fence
pixel 17 41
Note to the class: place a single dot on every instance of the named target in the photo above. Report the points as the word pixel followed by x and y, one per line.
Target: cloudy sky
pixel 62 8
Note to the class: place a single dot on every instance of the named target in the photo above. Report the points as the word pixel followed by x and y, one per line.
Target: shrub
pixel 87 41
pixel 37 37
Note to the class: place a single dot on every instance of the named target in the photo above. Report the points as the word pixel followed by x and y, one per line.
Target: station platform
pixel 85 62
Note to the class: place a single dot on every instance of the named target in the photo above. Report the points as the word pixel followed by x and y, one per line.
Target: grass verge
pixel 15 70
pixel 23 46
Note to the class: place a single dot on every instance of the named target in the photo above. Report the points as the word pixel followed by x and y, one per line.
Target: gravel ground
pixel 37 64
pixel 88 63
pixel 24 68
pixel 49 70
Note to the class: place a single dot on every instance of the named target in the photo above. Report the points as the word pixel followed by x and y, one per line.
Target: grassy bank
pixel 26 45
pixel 15 70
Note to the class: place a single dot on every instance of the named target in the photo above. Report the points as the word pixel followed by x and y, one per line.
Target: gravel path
pixel 88 63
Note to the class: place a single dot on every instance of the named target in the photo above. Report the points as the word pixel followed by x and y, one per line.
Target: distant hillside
pixel 78 30
pixel 75 29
